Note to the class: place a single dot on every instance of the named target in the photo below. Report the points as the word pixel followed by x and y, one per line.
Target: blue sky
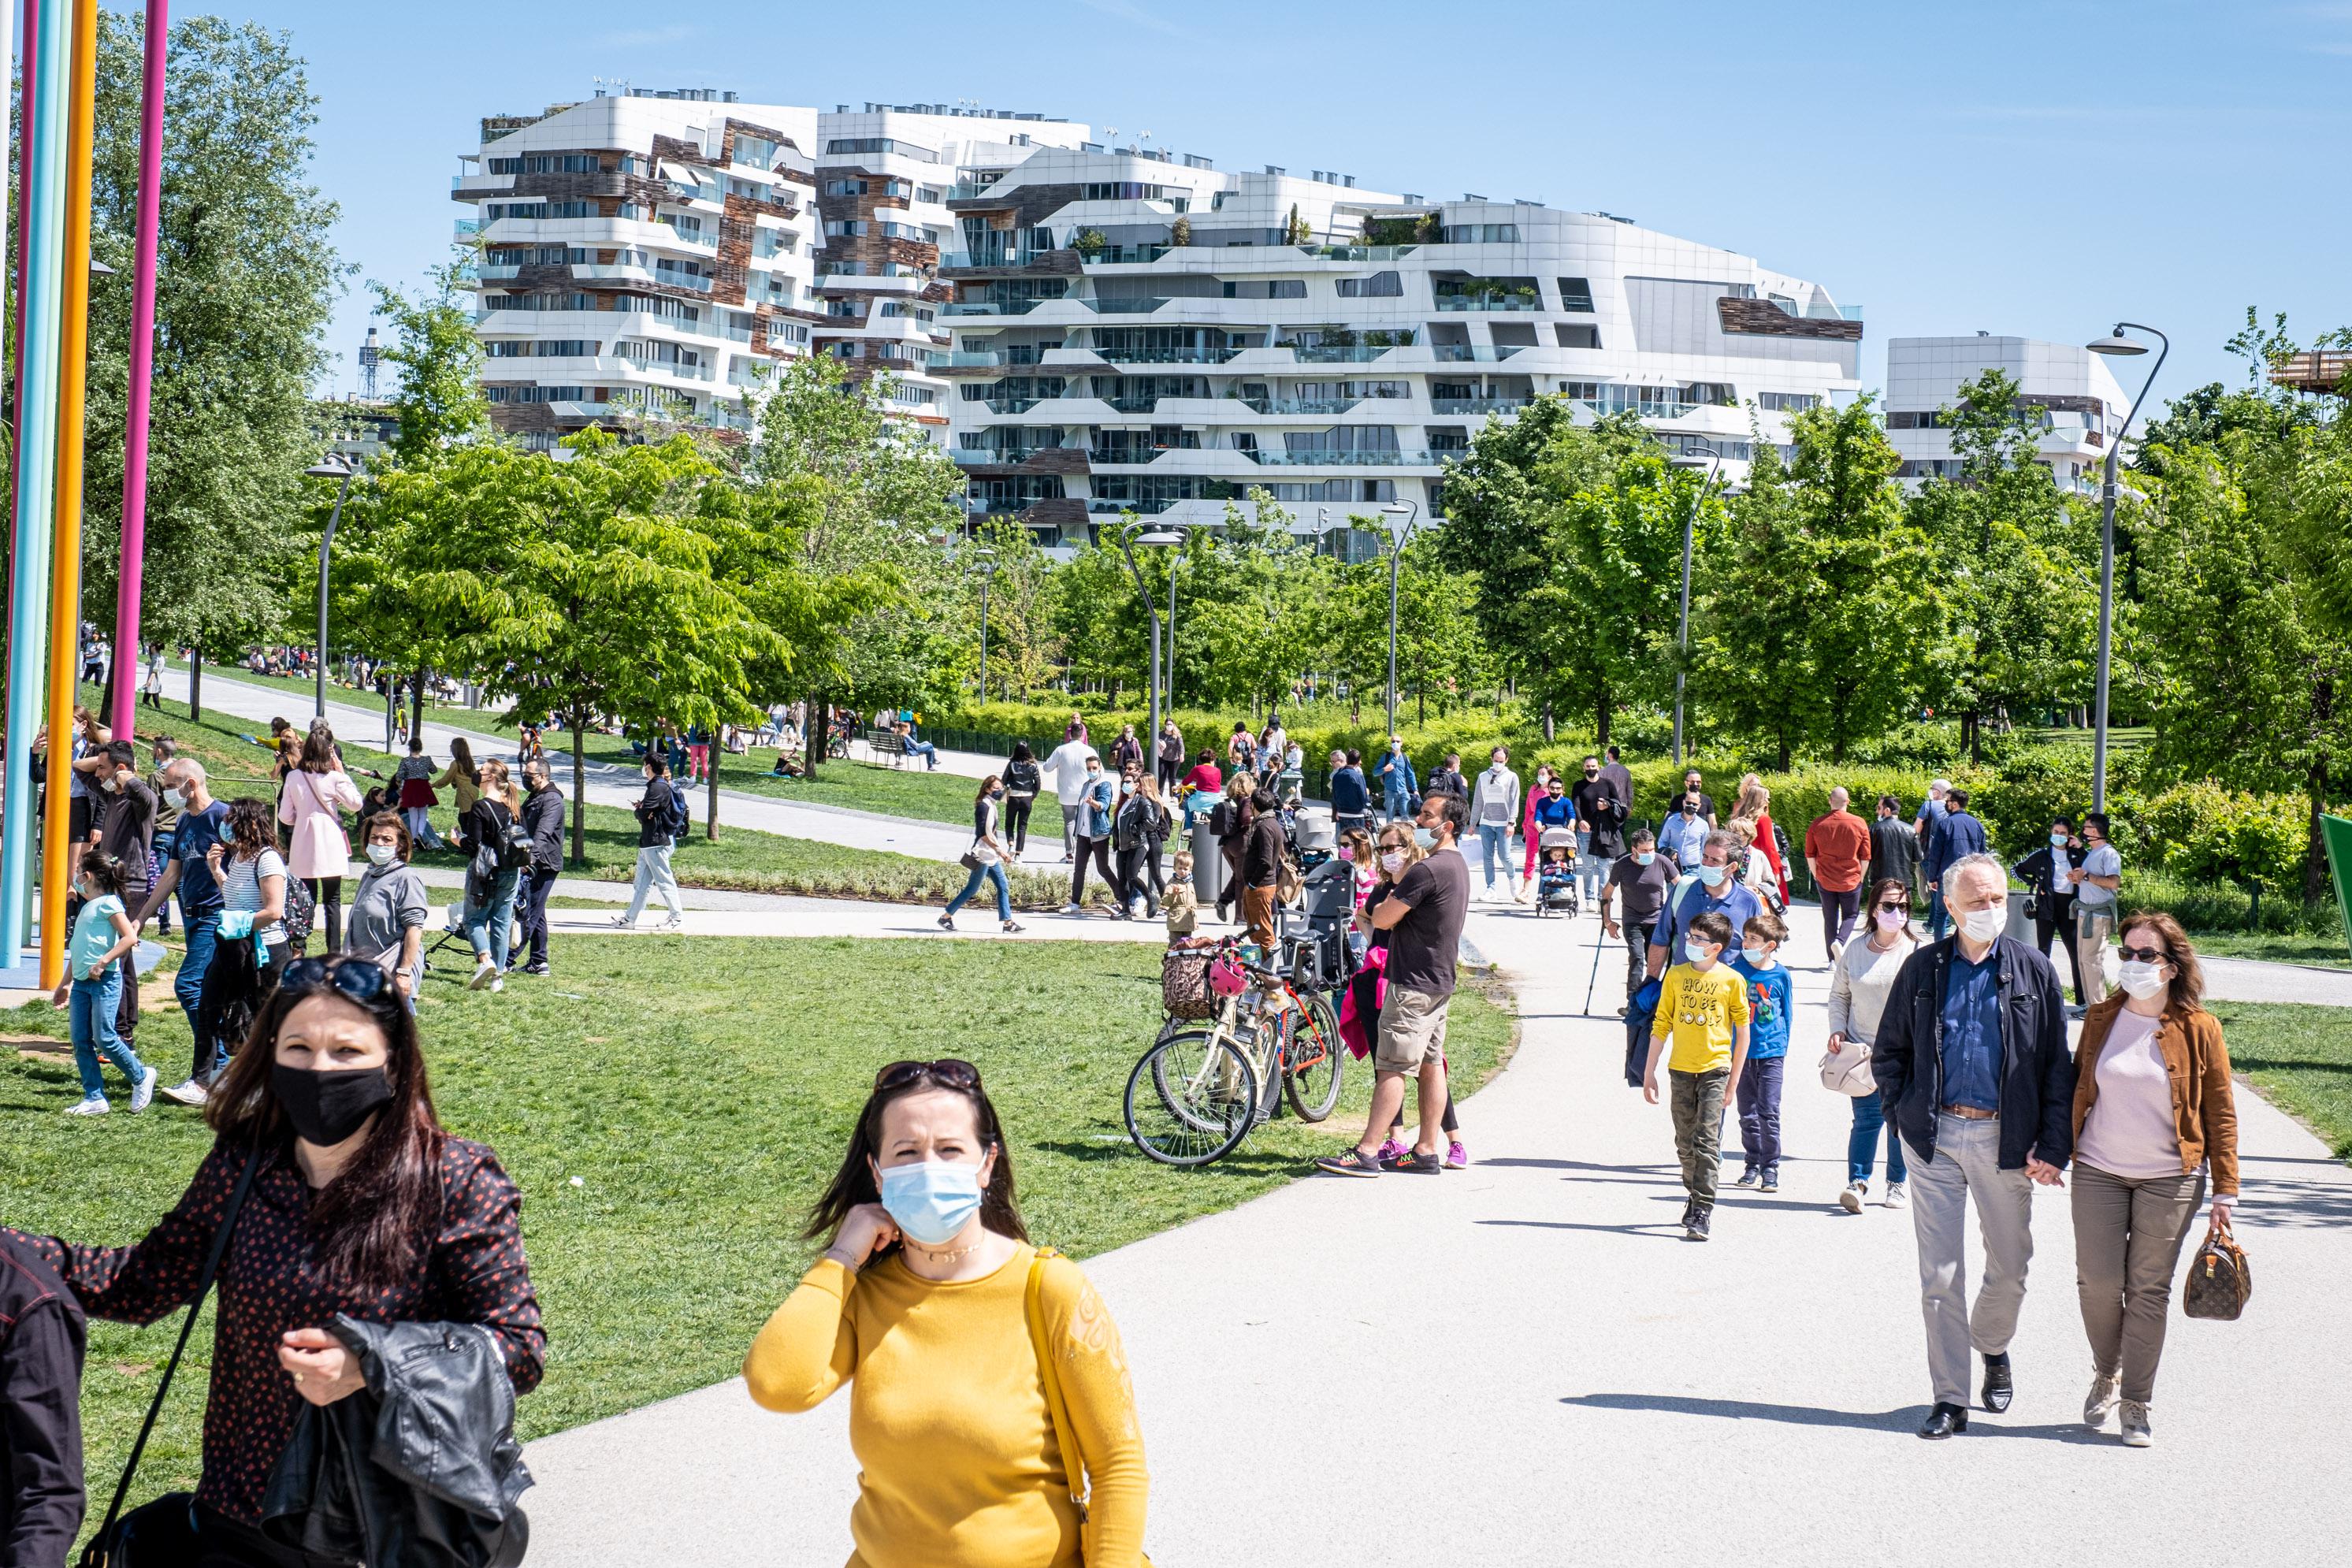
pixel 2037 168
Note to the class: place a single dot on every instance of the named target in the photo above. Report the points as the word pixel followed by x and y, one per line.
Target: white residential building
pixel 2064 389
pixel 1137 329
pixel 652 254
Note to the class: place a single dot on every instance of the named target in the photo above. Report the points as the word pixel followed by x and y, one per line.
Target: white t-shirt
pixel 241 888
pixel 1067 766
pixel 2103 861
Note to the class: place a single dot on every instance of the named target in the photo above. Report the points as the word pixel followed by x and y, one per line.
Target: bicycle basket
pixel 1184 985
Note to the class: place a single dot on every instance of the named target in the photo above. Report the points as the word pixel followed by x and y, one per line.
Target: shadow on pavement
pixel 1905 1420
pixel 1651 1232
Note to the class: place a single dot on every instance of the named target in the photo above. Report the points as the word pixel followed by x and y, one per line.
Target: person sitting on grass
pixel 1703 1010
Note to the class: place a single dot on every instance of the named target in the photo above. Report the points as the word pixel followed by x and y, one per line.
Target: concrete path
pixel 1523 1363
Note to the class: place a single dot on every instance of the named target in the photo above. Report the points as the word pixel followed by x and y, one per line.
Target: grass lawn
pixel 2300 1057
pixel 2324 951
pixel 698 1121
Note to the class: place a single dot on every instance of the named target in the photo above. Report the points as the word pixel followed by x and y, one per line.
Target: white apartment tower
pixel 2063 390
pixel 650 255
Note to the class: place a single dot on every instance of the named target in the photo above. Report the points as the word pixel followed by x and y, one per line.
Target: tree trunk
pixel 817 734
pixel 1549 733
pixel 197 680
pixel 710 817
pixel 1784 752
pixel 1600 719
pixel 416 706
pixel 579 716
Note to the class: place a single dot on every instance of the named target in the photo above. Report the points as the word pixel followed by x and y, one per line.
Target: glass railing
pixel 1166 357
pixel 1119 255
pixel 963 360
pixel 991 455
pixel 991 306
pixel 476 272
pixel 1122 307
pixel 990 258
pixel 1140 508
pixel 1489 302
pixel 1473 353
pixel 1477 404
pixel 1358 252
pixel 1311 458
pixel 694 280
pixel 1322 353
pixel 466 228
pixel 1010 405
pixel 1298 404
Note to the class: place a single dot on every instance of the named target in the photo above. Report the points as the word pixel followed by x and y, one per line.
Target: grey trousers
pixel 1968 1165
pixel 1070 830
pixel 2127 1238
pixel 653 875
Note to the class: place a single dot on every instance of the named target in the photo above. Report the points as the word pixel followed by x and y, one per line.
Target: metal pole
pixel 1151 608
pixel 1168 669
pixel 2108 573
pixel 326 546
pixel 1682 639
pixel 983 635
pixel 143 367
pixel 1396 548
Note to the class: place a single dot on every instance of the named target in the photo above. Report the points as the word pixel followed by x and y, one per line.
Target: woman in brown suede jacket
pixel 2153 1112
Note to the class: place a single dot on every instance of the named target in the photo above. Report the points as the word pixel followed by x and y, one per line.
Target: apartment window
pixel 540 209
pixel 1576 294
pixel 655 305
pixel 845 229
pixel 544 394
pixel 1927 419
pixel 755 153
pixel 1378 286
pixel 847 145
pixel 1788 402
pixel 539 302
pixel 845 187
pixel 1446 437
pixel 1578 336
pixel 1482 233
pixel 768 242
pixel 533 254
pixel 1120 190
pixel 1267 288
pixel 685 223
pixel 548 164
pixel 930 194
pixel 787 333
pixel 1337 489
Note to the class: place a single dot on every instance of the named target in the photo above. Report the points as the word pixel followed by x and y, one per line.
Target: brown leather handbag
pixel 2219 1280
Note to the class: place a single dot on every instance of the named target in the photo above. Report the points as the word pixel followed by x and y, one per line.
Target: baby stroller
pixel 1556 875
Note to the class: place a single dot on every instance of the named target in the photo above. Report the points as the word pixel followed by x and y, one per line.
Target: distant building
pixel 2063 390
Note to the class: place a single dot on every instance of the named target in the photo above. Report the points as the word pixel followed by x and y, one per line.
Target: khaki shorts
pixel 1413 1030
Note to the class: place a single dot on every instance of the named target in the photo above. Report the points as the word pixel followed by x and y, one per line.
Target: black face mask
pixel 1593 772
pixel 328 1106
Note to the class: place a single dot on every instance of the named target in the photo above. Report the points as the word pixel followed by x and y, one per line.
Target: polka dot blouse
pixel 474 1274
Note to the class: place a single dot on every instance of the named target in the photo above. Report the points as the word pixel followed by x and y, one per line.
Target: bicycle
pixel 1196 1094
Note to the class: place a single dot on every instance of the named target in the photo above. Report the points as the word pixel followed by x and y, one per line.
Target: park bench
pixel 887 744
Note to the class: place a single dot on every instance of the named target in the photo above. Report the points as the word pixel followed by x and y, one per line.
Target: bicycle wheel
pixel 1190 1099
pixel 1317 1061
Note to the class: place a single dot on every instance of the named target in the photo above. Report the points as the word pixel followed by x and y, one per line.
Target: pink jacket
pixel 307 804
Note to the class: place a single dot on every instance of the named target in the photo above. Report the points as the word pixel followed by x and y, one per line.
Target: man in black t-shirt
pixel 1691 791
pixel 1424 919
pixel 1600 821
pixel 1646 879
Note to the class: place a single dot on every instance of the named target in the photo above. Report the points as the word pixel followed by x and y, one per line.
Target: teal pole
pixel 44 252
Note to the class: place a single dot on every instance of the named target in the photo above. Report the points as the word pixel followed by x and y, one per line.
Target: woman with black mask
pixel 359 1205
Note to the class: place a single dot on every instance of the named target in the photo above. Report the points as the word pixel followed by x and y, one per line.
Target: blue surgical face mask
pixel 1698 952
pixel 1709 876
pixel 1643 857
pixel 2057 841
pixel 931 1200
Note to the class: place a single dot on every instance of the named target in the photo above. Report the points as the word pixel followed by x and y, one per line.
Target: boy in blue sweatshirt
pixel 1769 998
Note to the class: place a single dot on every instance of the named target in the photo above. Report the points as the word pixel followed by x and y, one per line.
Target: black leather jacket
pixel 420 1471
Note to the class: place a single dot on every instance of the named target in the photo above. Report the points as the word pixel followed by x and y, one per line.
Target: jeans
pixel 1937 916
pixel 1966 1167
pixel 533 911
pixel 1139 872
pixel 1838 912
pixel 1697 1105
pixel 92 1017
pixel 1392 804
pixel 2127 1236
pixel 488 925
pixel 992 872
pixel 1862 1144
pixel 925 750
pixel 1592 870
pixel 188 985
pixel 1495 844
pixel 1759 1113
pixel 654 872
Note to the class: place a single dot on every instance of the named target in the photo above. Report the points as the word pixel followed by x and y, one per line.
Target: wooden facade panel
pixel 1762 318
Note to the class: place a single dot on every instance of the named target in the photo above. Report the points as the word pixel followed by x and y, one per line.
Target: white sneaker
pixel 2136 1430
pixel 1071 910
pixel 2100 1402
pixel 497 983
pixel 94 1105
pixel 142 1093
pixel 484 973
pixel 1850 1199
pixel 1896 1197
pixel 192 1092
pixel 623 921
pixel 1522 895
pixel 675 922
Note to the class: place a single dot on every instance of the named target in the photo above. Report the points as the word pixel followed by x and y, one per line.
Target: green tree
pixel 1023 648
pixel 1439 648
pixel 439 358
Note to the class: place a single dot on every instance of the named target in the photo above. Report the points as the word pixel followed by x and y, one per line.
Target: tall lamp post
pixel 2121 347
pixel 985 564
pixel 332 467
pixel 1130 534
pixel 1689 459
pixel 1400 517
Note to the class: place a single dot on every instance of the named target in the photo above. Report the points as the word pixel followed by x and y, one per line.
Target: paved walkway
pixel 1525 1364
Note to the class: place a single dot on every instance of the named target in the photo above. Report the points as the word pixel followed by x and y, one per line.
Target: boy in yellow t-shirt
pixel 1703 1010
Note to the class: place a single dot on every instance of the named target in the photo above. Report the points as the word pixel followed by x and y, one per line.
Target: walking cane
pixel 1588 984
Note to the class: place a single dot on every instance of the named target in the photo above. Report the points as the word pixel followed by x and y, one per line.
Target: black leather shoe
pixel 1997 1386
pixel 1944 1420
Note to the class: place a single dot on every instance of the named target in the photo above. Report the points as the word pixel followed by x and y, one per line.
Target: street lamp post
pixel 984 563
pixel 1400 515
pixel 1689 459
pixel 333 468
pixel 1130 534
pixel 2121 347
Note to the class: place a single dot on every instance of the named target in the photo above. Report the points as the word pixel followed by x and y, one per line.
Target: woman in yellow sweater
pixel 921 1301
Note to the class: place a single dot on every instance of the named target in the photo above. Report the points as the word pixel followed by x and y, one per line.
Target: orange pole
pixel 59 860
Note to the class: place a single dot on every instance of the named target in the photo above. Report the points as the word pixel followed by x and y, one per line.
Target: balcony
pixel 1165 356
pixel 1353 353
pixel 1122 307
pixel 1478 404
pixel 993 307
pixel 1357 252
pixel 1473 353
pixel 1124 255
pixel 1527 302
pixel 476 273
pixel 1406 457
pixel 698 282
pixel 1298 404
pixel 964 360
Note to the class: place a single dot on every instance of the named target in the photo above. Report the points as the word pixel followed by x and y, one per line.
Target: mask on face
pixel 2141 980
pixel 382 854
pixel 176 799
pixel 932 1200
pixel 1643 857
pixel 1755 956
pixel 1698 952
pixel 1593 772
pixel 328 1106
pixel 2057 841
pixel 1983 925
pixel 1889 920
pixel 1709 876
pixel 1392 861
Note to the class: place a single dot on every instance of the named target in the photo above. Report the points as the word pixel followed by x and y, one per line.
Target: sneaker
pixel 192 1092
pixel 95 1105
pixel 1690 1207
pixel 1392 1152
pixel 2100 1402
pixel 675 922
pixel 1850 1199
pixel 142 1093
pixel 535 969
pixel 497 983
pixel 1694 1227
pixel 2135 1421
pixel 1414 1162
pixel 1897 1197
pixel 1354 1163
pixel 1772 1182
pixel 1747 1179
pixel 1457 1158
pixel 947 923
pixel 624 921
pixel 1071 910
pixel 484 973
pixel 1012 926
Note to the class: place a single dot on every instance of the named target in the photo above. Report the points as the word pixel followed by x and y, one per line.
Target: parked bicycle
pixel 1202 1086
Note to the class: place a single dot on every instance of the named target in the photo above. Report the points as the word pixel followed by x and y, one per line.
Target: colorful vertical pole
pixel 14 282
pixel 43 148
pixel 143 371
pixel 58 850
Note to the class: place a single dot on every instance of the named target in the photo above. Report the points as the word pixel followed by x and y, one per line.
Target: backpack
pixel 675 817
pixel 300 910
pixel 514 846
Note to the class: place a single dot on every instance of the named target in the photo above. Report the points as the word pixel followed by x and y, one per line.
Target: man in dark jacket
pixel 40 1421
pixel 125 829
pixel 1955 836
pixel 542 818
pixel 1352 797
pixel 1973 1070
pixel 658 814
pixel 1893 850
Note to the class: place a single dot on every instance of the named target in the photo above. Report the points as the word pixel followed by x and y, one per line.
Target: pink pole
pixel 23 228
pixel 143 371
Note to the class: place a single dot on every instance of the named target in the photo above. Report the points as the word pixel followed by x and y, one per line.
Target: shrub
pixel 2205 833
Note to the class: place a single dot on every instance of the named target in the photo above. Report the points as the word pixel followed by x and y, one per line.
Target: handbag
pixel 1848 1071
pixel 162 1532
pixel 1065 1436
pixel 2220 1282
pixel 969 861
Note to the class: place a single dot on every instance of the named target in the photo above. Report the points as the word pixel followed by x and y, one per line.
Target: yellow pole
pixel 60 856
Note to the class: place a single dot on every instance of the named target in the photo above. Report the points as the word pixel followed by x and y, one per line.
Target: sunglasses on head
pixel 952 1071
pixel 2145 955
pixel 356 978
